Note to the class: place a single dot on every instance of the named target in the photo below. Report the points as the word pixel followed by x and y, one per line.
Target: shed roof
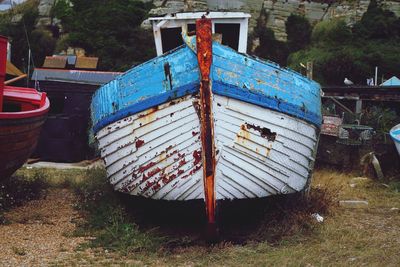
pixel 198 15
pixel 55 62
pixel 86 62
pixel 74 76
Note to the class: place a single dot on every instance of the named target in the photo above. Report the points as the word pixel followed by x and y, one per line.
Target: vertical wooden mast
pixel 204 57
pixel 3 58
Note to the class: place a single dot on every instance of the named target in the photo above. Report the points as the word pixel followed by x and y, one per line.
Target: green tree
pixel 270 48
pixel 298 31
pixel 339 51
pixel 331 33
pixel 19 26
pixel 108 29
pixel 377 23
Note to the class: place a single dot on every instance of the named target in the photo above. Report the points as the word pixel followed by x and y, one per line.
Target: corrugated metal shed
pixel 55 62
pixel 64 136
pixel 86 62
pixel 74 76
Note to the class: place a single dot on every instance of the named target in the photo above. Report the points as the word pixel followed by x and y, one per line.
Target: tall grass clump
pixel 107 219
pixel 293 216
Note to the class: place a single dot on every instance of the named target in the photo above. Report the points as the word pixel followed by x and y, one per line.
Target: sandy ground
pixel 40 231
pixel 83 165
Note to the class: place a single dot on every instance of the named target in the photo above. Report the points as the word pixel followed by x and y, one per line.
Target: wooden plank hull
pixel 265 123
pixel 22 113
pixel 157 153
pixel 18 139
pixel 395 134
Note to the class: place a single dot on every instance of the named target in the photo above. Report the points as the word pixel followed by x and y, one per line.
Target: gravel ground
pixel 39 232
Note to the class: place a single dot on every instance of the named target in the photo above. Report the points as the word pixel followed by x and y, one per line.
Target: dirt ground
pixel 39 233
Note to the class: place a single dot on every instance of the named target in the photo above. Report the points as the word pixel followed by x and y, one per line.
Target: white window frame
pixel 183 19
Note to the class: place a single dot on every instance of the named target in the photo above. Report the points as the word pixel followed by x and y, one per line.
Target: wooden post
pixel 15 79
pixel 358 106
pixel 309 70
pixel 3 61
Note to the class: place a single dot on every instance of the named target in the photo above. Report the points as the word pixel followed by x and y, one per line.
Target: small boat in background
pixel 395 134
pixel 22 113
pixel 204 121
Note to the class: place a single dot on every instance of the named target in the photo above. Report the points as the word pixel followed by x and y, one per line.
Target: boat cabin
pixel 232 27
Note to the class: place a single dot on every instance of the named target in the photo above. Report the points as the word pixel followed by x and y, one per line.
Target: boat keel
pixel 204 57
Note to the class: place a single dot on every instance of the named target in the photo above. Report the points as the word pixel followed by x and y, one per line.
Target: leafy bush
pixel 381 118
pixel 109 30
pixel 13 25
pixel 298 31
pixel 339 51
pixel 42 45
pixel 293 216
pixel 270 48
pixel 331 33
pixel 377 23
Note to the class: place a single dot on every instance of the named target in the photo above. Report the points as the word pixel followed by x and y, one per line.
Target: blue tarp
pixel 394 81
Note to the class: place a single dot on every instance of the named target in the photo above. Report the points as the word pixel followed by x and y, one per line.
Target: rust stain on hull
pixel 264 132
pixel 139 143
pixel 204 57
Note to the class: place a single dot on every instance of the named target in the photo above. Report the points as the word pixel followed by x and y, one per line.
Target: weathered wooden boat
pixel 206 122
pixel 22 113
pixel 395 134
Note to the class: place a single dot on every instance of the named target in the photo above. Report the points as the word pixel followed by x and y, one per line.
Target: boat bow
pixel 206 122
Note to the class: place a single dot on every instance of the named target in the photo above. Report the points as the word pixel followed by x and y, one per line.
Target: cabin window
pixel 191 27
pixel 171 38
pixel 230 34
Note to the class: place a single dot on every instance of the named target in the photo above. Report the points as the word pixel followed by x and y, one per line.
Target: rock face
pixel 278 10
pixel 172 6
pixel 44 10
pixel 252 7
pixel 349 10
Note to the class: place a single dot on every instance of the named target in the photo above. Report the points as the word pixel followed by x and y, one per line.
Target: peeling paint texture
pixel 254 134
pixel 204 57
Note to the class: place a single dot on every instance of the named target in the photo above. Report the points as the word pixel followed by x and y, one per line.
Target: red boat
pixel 22 114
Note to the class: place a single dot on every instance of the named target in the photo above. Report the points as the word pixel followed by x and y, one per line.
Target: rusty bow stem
pixel 204 57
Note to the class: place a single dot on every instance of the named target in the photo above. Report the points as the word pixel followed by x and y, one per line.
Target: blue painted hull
pixel 233 75
pixel 266 122
pixel 395 134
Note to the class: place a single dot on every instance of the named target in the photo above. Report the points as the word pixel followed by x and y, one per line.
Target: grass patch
pixel 124 224
pixel 19 189
pixel 278 218
pixel 395 186
pixel 276 231
pixel 293 217
pixel 66 178
pixel 107 220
